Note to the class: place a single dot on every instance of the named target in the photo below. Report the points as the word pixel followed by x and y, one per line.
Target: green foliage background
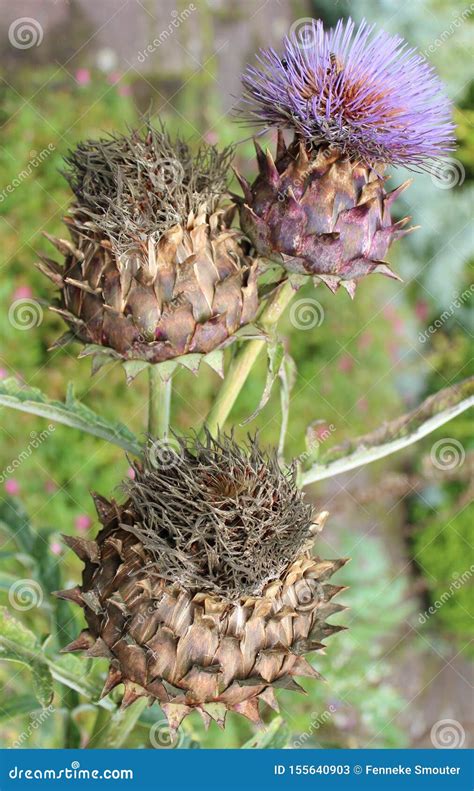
pixel 361 366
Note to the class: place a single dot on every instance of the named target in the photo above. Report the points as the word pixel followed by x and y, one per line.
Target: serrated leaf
pixel 275 355
pixel 274 736
pixel 70 413
pixel 19 644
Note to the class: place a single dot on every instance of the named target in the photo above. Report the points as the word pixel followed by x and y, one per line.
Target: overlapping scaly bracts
pixel 201 589
pixel 320 215
pixel 153 271
pixel 356 101
pixel 365 92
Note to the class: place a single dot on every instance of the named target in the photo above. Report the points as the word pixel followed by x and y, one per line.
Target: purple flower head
pixel 365 93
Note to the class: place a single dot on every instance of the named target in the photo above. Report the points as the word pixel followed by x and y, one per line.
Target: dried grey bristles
pixel 130 188
pixel 217 516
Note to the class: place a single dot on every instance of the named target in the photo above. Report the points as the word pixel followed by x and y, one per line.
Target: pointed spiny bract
pixel 323 216
pixel 365 92
pixel 233 628
pixel 154 271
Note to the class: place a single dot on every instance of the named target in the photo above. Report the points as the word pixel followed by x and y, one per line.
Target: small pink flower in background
pixel 113 77
pixel 56 548
pixel 50 486
pixel 362 405
pixel 131 473
pixel 365 341
pixel 82 522
pixel 395 320
pixel 389 312
pixel 346 363
pixel 211 137
pixel 394 351
pixel 320 431
pixel 12 487
pixel 22 292
pixel 422 310
pixel 3 373
pixel 124 90
pixel 83 76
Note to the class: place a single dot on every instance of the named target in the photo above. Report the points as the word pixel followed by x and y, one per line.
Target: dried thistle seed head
pixel 131 188
pixel 154 270
pixel 217 516
pixel 202 590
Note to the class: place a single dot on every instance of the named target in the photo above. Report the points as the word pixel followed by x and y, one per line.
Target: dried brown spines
pixel 198 651
pixel 320 214
pixel 154 270
pixel 216 644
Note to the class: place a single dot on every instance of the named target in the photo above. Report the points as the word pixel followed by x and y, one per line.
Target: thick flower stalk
pixel 153 270
pixel 356 102
pixel 201 588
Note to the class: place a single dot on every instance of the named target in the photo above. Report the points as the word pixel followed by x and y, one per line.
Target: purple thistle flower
pixel 367 94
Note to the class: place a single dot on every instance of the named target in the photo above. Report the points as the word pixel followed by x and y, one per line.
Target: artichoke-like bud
pixel 201 588
pixel 356 103
pixel 154 270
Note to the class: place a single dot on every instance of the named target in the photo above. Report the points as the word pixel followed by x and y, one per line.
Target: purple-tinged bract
pixel 365 92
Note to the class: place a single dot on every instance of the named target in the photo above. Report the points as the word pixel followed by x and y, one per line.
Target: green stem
pixel 159 403
pixel 102 722
pixel 244 360
pixel 115 732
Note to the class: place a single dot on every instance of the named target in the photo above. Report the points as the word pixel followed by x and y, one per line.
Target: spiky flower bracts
pixel 153 271
pixel 356 103
pixel 201 589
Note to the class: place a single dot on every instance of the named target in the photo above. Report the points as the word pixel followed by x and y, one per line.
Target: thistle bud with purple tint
pixel 357 101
